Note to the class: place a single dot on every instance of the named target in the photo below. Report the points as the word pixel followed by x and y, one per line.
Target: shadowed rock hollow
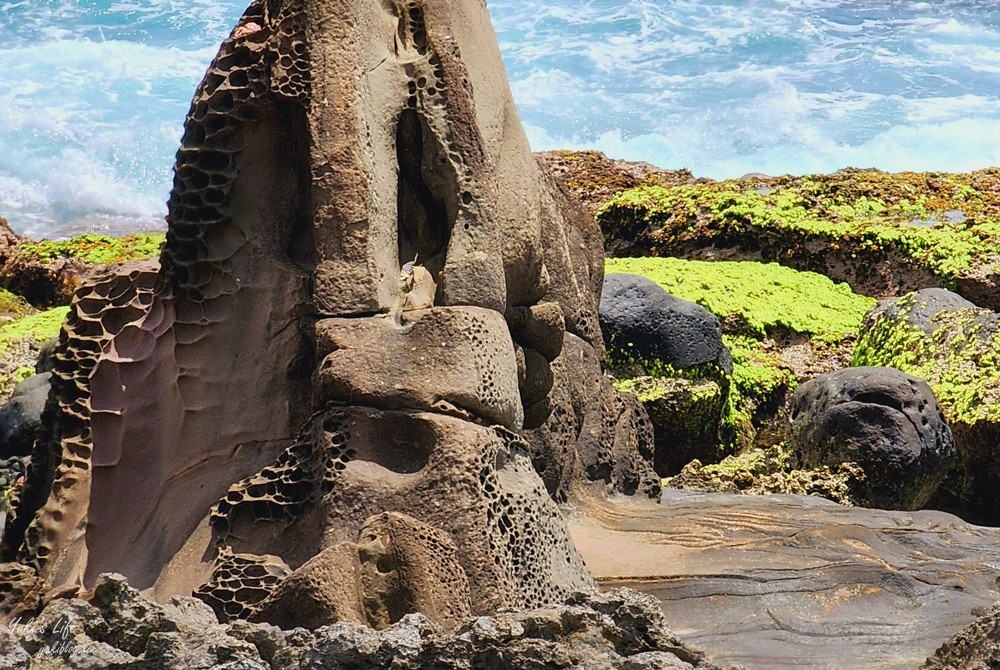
pixel 241 417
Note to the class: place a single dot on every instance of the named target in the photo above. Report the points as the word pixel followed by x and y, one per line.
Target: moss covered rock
pixel 20 342
pixel 47 272
pixel 884 234
pixel 780 325
pixel 955 347
pixel 758 300
pixel 771 470
pixel 686 414
pixel 12 306
pixel 592 178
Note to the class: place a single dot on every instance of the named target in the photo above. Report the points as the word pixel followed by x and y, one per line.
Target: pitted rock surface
pixel 975 647
pixel 619 630
pixel 220 418
pixel 641 321
pixel 440 358
pixel 475 483
pixel 398 565
pixel 884 420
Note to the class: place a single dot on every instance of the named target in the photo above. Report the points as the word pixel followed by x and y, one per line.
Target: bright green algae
pixel 19 341
pixel 758 300
pixel 38 328
pixel 940 223
pixel 762 297
pixel 94 248
pixel 960 359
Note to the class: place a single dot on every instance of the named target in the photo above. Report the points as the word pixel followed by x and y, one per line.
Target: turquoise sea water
pixel 94 91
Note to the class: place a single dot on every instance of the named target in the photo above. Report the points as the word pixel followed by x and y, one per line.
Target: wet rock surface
pixel 772 582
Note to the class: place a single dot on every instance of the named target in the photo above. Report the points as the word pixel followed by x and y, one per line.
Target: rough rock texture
pixel 769 471
pixel 21 416
pixel 619 630
pixel 686 416
pixel 642 322
pixel 775 582
pixel 366 291
pixel 449 359
pixel 882 419
pixel 593 178
pixel 940 337
pixel 594 432
pixel 476 483
pixel 975 647
pixel 399 565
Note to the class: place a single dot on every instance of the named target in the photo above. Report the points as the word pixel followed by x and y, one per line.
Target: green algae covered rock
pixel 780 325
pixel 757 299
pixel 47 272
pixel 955 347
pixel 884 234
pixel 686 414
pixel 767 471
pixel 21 339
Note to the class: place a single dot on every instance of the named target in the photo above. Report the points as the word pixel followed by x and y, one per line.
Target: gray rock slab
pixel 779 581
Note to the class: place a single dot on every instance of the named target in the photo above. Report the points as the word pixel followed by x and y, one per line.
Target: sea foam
pixel 96 90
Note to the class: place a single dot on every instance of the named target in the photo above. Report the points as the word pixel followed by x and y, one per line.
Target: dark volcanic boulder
pixel 21 416
pixel 644 324
pixel 886 421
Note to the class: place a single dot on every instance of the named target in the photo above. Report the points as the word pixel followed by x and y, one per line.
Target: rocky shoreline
pixel 382 394
pixel 758 465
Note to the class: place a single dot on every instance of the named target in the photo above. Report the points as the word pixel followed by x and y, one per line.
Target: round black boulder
pixel 642 322
pixel 21 416
pixel 883 419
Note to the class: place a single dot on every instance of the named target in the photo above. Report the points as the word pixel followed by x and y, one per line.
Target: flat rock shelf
pixel 788 581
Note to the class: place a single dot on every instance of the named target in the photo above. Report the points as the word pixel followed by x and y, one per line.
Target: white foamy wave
pixel 85 133
pixel 95 92
pixel 956 146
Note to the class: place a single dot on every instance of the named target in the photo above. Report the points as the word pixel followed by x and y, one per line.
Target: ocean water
pixel 94 91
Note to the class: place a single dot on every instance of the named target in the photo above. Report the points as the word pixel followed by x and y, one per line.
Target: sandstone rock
pixel 331 148
pixel 472 482
pixel 644 323
pixel 882 419
pixel 595 433
pixel 784 581
pixel 439 358
pixel 398 565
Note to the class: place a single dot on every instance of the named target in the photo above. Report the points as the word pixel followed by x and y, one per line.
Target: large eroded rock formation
pixel 372 300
